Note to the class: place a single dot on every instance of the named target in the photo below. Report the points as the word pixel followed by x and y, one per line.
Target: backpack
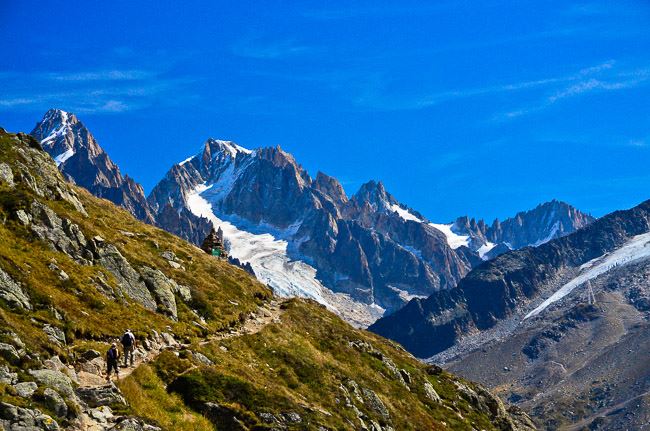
pixel 127 339
pixel 111 354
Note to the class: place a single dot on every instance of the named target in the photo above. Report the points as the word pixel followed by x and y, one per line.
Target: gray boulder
pixel 10 353
pixel 185 293
pixel 23 217
pixel 168 255
pixel 55 380
pixel 128 278
pixel 55 335
pixel 55 402
pixel 292 417
pixel 162 289
pixel 91 354
pixel 61 234
pixel 25 389
pixel 101 414
pixel 374 403
pixel 14 418
pixel 431 393
pixel 6 175
pixel 202 358
pixel 107 395
pixel 54 363
pixel 12 293
pixel 6 376
pixel 133 424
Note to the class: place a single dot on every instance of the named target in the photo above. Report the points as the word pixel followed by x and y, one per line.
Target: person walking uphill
pixel 112 358
pixel 128 342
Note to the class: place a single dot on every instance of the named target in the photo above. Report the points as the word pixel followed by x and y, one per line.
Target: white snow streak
pixel 453 239
pixel 485 249
pixel 406 215
pixel 61 158
pixel 186 160
pixel 635 249
pixel 232 148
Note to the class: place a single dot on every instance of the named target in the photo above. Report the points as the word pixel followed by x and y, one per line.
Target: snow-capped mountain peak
pixel 81 159
pixel 54 131
pixel 217 146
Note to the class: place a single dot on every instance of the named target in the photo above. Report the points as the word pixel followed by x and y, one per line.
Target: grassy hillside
pixel 76 271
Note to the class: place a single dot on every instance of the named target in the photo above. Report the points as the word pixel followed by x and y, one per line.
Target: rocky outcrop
pixel 18 418
pixel 6 175
pixel 12 293
pixel 162 289
pixel 34 170
pixel 107 395
pixel 61 234
pixel 55 380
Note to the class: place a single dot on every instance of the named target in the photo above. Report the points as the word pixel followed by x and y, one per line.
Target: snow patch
pixel 232 148
pixel 189 159
pixel 453 239
pixel 405 214
pixel 405 295
pixel 635 249
pixel 485 249
pixel 61 158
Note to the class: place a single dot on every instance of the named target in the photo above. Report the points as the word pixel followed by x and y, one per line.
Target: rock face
pixel 107 395
pixel 577 361
pixel 18 418
pixel 12 293
pixel 84 162
pixel 508 285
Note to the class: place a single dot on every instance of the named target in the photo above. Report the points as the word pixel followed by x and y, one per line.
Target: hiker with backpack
pixel 112 358
pixel 128 342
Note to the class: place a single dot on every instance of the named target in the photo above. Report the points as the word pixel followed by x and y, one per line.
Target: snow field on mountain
pixel 635 249
pixel 453 239
pixel 270 261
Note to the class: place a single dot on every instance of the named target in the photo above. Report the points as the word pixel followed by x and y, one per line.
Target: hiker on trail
pixel 112 358
pixel 128 342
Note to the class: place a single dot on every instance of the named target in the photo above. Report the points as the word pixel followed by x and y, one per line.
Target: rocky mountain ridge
pixel 370 247
pixel 507 286
pixel 363 256
pixel 75 271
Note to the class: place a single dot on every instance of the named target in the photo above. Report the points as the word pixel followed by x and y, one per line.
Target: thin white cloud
pixel 584 84
pixel 264 50
pixel 373 99
pixel 91 91
pixel 103 75
pixel 20 101
pixel 638 143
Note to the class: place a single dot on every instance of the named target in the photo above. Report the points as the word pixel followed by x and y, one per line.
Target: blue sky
pixel 478 108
